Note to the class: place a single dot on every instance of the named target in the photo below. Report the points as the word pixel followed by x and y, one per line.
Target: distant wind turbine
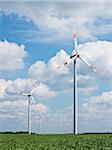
pixel 30 99
pixel 74 58
pixel 40 118
pixel 64 123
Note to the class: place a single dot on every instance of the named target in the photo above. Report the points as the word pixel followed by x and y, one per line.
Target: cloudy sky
pixel 36 37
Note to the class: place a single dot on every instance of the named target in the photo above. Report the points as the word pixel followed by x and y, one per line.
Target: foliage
pixel 55 142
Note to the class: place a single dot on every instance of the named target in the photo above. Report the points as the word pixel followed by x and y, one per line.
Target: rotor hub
pixel 29 95
pixel 77 55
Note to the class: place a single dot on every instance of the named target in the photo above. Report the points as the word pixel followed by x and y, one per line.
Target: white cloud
pixel 11 88
pixel 19 85
pixel 11 56
pixel 87 84
pixel 3 85
pixel 40 108
pixel 55 23
pixel 50 75
pixel 43 90
pixel 41 71
pixel 99 104
pixel 95 114
pixel 99 54
pixel 18 109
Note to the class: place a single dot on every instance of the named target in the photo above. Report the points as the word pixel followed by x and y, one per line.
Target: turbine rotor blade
pixel 65 63
pixel 32 90
pixel 22 93
pixel 86 62
pixel 34 86
pixel 75 41
pixel 33 100
pixel 25 94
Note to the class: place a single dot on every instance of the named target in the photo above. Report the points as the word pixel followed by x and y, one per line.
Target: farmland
pixel 55 142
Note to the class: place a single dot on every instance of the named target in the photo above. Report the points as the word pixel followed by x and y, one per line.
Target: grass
pixel 55 142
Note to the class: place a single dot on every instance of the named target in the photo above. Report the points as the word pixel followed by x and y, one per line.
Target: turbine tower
pixel 30 98
pixel 74 58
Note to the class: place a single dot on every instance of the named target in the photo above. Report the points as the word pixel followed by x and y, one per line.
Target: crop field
pixel 55 142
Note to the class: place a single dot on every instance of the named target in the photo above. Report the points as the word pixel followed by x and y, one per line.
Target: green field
pixel 55 142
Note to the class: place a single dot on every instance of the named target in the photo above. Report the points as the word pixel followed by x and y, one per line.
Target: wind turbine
pixel 64 123
pixel 74 57
pixel 30 98
pixel 40 117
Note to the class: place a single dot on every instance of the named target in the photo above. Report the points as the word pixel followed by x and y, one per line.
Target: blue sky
pixel 36 37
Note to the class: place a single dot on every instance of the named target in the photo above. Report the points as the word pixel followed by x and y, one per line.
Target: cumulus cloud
pixel 40 108
pixel 60 23
pixel 99 104
pixel 19 85
pixel 87 84
pixel 18 109
pixel 99 55
pixel 49 74
pixel 11 56
pixel 3 85
pixel 95 113
pixel 43 90
pixel 14 87
pixel 46 69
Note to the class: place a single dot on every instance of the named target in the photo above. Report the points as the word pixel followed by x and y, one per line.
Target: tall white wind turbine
pixel 74 58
